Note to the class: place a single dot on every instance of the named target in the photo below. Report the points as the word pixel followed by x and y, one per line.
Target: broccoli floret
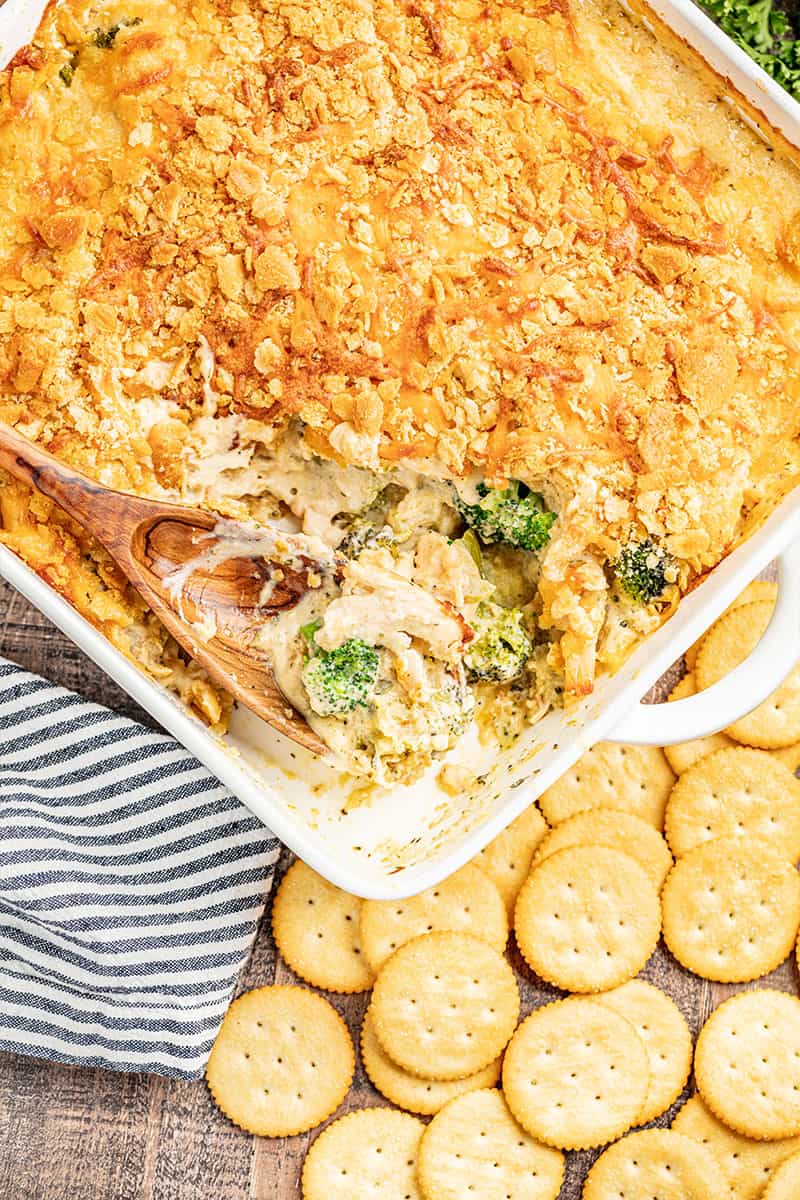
pixel 362 535
pixel 451 704
pixel 105 38
pixel 643 570
pixel 337 681
pixel 309 631
pixel 501 647
pixel 513 515
pixel 67 72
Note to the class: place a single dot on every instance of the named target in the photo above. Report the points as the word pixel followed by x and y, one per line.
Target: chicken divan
pixel 497 305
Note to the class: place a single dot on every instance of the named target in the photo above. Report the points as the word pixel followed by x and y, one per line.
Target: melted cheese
pixel 444 237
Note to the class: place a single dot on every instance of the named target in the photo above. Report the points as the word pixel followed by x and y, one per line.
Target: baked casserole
pixel 496 304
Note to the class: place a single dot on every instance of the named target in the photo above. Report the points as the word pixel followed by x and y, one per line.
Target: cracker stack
pixel 589 881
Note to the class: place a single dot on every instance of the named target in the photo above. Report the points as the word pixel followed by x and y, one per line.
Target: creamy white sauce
pixel 316 490
pixel 229 459
pixel 152 409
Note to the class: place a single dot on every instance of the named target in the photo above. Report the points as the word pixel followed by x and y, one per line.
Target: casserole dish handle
pixel 739 692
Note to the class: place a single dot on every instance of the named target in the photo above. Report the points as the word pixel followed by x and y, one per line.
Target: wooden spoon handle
pixel 71 490
pixel 120 521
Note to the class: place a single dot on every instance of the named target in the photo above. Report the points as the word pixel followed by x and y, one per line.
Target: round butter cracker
pixel 474 1145
pixel 283 1061
pixel 747 1064
pixel 316 930
pixel 369 1152
pixel 736 791
pixel 587 918
pixel 747 1164
pixel 784 1182
pixel 467 902
pixel 444 1005
pixel 775 722
pixel 507 859
pixel 654 1164
pixel 731 909
pixel 636 779
pixel 414 1094
pixel 575 1074
pixel 788 755
pixel 610 827
pixel 666 1037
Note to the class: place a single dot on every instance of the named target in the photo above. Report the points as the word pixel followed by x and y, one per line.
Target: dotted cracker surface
pixel 775 722
pixel 610 827
pixel 788 755
pixel 587 919
pixel 417 1095
pixel 282 1062
pixel 738 790
pixel 636 779
pixel 747 1164
pixel 370 1152
pixel 445 1005
pixel 784 1183
pixel 468 902
pixel 475 1147
pixel 655 1164
pixel 731 909
pixel 575 1074
pixel 507 859
pixel 747 1063
pixel 316 929
pixel 666 1037
pixel 683 755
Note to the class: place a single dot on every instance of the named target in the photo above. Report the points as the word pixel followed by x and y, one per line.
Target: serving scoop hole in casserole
pixel 428 614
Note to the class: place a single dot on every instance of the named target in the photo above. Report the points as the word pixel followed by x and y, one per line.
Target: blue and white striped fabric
pixel 131 886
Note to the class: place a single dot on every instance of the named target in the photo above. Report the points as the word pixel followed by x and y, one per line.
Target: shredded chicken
pixel 375 604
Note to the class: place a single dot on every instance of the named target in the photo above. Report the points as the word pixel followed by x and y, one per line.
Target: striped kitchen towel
pixel 131 886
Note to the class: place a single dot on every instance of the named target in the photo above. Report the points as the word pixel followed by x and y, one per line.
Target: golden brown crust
pixel 530 243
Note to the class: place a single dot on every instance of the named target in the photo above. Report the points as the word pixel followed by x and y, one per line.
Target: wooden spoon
pixel 150 541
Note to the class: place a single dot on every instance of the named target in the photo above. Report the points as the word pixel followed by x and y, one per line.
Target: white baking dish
pixel 396 843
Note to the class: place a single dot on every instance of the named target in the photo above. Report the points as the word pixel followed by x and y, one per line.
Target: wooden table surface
pixel 79 1134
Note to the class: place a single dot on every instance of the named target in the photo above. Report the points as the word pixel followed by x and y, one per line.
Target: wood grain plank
pixel 199 1154
pixel 72 1134
pixel 156 1094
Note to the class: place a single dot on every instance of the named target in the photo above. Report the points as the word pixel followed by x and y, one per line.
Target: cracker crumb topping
pixel 528 243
